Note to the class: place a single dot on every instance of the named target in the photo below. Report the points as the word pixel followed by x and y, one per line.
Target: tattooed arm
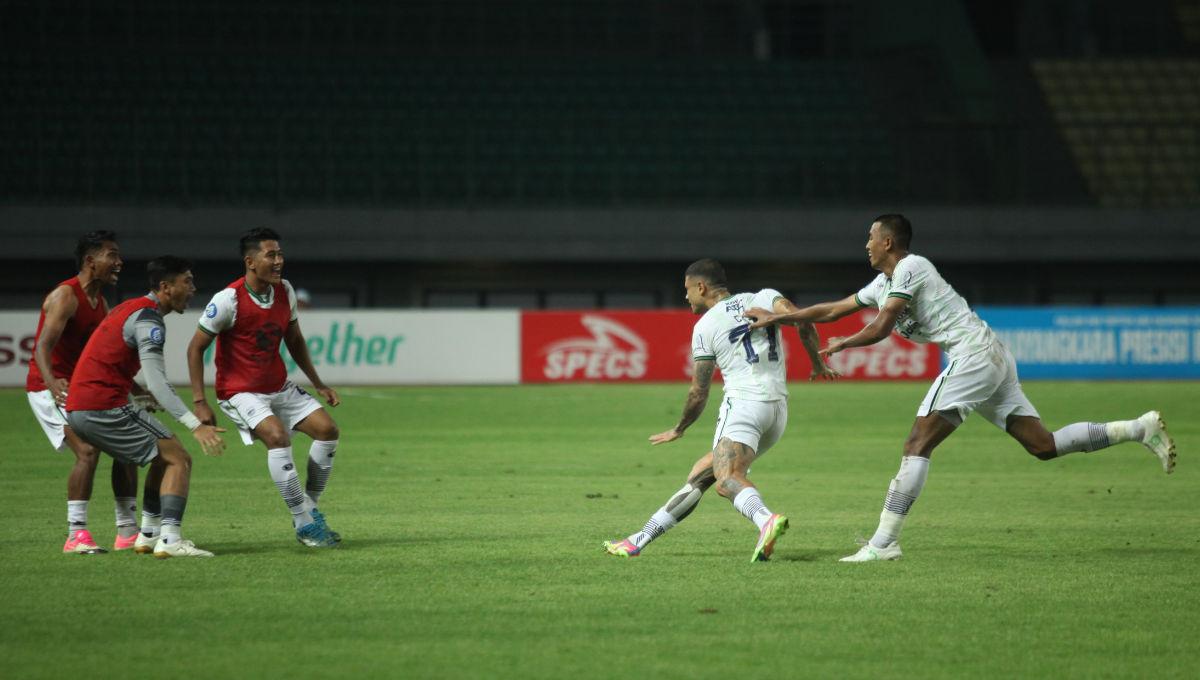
pixel 696 400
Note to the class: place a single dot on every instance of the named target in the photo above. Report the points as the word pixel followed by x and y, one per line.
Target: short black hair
pixel 254 237
pixel 164 268
pixel 898 226
pixel 91 242
pixel 708 269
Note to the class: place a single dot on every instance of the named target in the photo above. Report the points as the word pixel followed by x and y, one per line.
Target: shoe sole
pixel 169 556
pixel 143 549
pixel 93 550
pixel 763 553
pixel 890 558
pixel 1169 462
pixel 318 546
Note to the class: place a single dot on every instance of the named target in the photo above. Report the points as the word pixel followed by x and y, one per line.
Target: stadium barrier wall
pixel 348 347
pixel 603 346
pixel 351 347
pixel 1100 343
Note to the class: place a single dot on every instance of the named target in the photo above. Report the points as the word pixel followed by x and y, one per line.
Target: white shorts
pixel 50 416
pixel 757 424
pixel 985 382
pixel 247 409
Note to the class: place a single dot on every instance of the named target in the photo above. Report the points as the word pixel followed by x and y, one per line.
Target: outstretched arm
pixel 697 398
pixel 823 312
pixel 810 340
pixel 877 330
pixel 298 348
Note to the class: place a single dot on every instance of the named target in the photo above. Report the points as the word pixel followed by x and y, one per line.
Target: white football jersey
pixel 753 363
pixel 935 312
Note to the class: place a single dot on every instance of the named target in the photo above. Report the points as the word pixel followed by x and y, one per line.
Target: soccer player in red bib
pixel 69 315
pixel 249 319
pixel 131 338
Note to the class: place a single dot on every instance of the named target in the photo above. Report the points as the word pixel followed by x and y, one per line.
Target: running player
pixel 248 320
pixel 753 415
pixel 981 375
pixel 70 313
pixel 130 338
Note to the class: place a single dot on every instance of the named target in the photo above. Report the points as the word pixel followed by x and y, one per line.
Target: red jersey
pixel 73 339
pixel 247 356
pixel 105 371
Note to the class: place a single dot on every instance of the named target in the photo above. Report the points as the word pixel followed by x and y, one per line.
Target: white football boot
pixel 144 545
pixel 869 553
pixel 184 548
pixel 1158 441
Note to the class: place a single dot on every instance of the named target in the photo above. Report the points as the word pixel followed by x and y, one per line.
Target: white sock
pixel 76 516
pixel 902 493
pixel 750 504
pixel 171 533
pixel 1095 436
pixel 151 524
pixel 126 511
pixel 679 506
pixel 659 523
pixel 287 480
pixel 320 466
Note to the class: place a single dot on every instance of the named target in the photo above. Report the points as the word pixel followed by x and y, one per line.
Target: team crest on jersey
pixel 267 339
pixel 211 310
pixel 157 336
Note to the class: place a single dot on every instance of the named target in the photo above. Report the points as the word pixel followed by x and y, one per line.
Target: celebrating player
pixel 981 375
pixel 248 320
pixel 132 336
pixel 753 414
pixel 69 315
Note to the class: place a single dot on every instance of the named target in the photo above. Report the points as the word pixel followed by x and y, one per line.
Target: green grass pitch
pixel 473 519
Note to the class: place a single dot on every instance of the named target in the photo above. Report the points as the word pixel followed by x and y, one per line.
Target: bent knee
pixel 171 452
pixel 329 432
pixel 88 455
pixel 729 486
pixel 274 437
pixel 1042 452
pixel 1042 448
pixel 917 447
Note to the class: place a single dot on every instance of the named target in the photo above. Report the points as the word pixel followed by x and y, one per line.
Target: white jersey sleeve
pixel 703 348
pixel 221 312
pixel 766 298
pixel 869 295
pixel 291 293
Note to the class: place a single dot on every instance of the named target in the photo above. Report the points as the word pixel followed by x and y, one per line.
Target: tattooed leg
pixel 731 460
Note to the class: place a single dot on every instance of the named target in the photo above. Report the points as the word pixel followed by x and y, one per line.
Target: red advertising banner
pixel 603 346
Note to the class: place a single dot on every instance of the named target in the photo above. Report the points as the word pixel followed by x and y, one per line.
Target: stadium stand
pixel 1133 126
